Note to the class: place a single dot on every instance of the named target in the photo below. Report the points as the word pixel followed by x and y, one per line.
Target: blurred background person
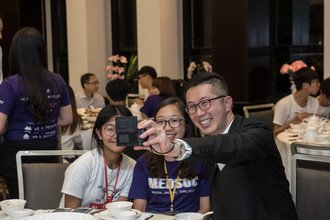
pixel 104 174
pixel 190 191
pixel 297 106
pixel 71 134
pixel 145 76
pixel 89 97
pixel 117 91
pixel 34 102
pixel 162 88
pixel 324 98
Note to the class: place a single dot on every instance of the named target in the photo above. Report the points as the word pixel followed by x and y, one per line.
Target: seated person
pixel 162 88
pixel 71 134
pixel 189 191
pixel 297 106
pixel 145 77
pixel 104 174
pixel 89 96
pixel 324 98
pixel 117 91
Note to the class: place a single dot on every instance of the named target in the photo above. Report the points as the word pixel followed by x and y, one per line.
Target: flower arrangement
pixel 120 68
pixel 199 67
pixel 292 68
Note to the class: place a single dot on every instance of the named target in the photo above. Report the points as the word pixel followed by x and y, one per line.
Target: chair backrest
pixel 40 183
pixel 264 112
pixel 310 182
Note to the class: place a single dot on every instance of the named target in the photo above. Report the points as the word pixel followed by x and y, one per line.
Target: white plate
pixel 107 216
pixel 61 216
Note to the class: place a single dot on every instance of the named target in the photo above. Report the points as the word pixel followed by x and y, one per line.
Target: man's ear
pixel 228 101
pixel 99 135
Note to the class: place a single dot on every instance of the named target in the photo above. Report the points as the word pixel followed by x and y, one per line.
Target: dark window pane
pixel 124 29
pixel 201 23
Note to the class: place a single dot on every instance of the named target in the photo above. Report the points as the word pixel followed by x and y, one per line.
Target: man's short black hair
pixel 148 70
pixel 85 78
pixel 304 75
pixel 117 89
pixel 217 81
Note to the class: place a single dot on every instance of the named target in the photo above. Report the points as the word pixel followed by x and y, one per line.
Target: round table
pixel 283 142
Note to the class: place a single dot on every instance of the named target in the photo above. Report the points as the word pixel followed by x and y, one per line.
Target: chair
pixel 40 184
pixel 310 182
pixel 264 112
pixel 3 188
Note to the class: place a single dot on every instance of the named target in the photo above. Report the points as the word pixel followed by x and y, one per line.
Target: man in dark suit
pixel 248 180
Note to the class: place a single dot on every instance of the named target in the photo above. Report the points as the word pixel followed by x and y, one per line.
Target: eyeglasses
pixel 109 130
pixel 173 123
pixel 94 83
pixel 203 105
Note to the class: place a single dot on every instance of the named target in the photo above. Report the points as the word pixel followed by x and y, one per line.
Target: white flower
pixel 207 66
pixel 191 69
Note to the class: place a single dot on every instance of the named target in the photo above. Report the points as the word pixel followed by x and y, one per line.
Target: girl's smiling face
pixel 107 134
pixel 172 121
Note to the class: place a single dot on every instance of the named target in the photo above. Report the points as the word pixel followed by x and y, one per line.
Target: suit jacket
pixel 252 185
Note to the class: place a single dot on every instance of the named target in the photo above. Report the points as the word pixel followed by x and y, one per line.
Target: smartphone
pixel 128 132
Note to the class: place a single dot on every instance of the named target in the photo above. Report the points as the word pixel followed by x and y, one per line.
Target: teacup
pixel 126 215
pixel 310 134
pixel 12 205
pixel 116 207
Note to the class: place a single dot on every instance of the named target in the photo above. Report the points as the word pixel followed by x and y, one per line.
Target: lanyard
pixel 171 192
pixel 109 199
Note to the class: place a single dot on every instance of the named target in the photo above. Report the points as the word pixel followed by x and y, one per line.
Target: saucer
pixel 107 216
pixel 2 214
pixel 21 213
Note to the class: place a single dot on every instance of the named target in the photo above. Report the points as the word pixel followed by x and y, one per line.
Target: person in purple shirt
pixel 162 88
pixel 33 103
pixel 153 174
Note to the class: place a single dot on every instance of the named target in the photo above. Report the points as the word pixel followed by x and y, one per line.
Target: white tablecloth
pixel 283 142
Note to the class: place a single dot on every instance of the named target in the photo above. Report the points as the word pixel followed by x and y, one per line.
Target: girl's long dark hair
pixel 27 57
pixel 155 162
pixel 77 121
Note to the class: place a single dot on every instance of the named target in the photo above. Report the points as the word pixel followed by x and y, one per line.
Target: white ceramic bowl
pixel 189 216
pixel 20 214
pixel 61 216
pixel 12 205
pixel 115 207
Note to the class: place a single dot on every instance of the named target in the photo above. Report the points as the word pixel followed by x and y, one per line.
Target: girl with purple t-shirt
pixel 163 185
pixel 33 103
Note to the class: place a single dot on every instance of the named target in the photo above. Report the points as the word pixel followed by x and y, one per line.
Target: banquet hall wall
pixel 89 34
